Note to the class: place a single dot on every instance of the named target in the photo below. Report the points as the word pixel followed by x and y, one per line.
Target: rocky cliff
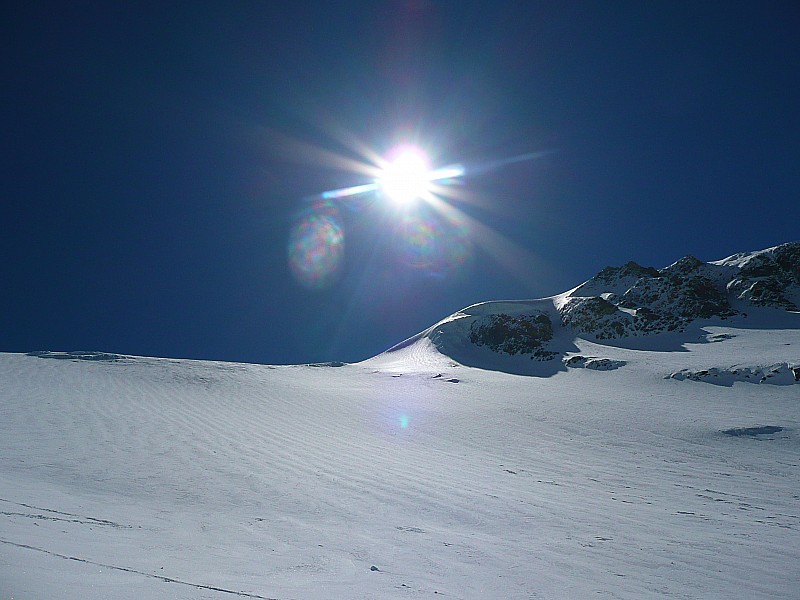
pixel 636 300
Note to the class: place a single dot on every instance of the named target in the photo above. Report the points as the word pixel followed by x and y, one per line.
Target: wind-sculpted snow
pixel 433 469
pixel 410 475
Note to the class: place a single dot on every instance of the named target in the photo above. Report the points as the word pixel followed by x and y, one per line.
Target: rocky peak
pixel 629 269
pixel 682 268
pixel 615 280
pixel 635 300
pixel 768 278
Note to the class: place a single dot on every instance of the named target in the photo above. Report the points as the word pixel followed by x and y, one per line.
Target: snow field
pixel 186 479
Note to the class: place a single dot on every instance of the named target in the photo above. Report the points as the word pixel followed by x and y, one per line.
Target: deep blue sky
pixel 156 157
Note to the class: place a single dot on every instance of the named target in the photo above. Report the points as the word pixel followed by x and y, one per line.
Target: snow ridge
pixel 621 303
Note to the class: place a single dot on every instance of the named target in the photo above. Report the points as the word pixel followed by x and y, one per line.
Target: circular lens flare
pixel 407 177
pixel 316 248
pixel 433 244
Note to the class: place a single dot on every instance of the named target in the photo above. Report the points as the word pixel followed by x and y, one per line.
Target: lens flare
pixel 407 177
pixel 316 247
pixel 434 236
pixel 432 243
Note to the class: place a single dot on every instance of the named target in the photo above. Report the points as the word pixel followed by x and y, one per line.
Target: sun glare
pixel 406 177
pixel 430 232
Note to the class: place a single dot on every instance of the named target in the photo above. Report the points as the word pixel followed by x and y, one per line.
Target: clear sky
pixel 161 161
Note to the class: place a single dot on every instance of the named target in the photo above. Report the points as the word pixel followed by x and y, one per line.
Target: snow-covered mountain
pixel 623 302
pixel 651 451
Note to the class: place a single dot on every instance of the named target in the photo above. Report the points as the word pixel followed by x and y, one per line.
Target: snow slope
pixel 293 482
pixel 411 475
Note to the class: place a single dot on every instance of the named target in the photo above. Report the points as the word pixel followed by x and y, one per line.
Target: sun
pixel 406 177
pixel 429 230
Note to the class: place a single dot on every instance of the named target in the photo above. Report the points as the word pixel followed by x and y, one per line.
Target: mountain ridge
pixel 621 303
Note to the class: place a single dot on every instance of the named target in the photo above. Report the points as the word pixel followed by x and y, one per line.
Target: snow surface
pixel 406 476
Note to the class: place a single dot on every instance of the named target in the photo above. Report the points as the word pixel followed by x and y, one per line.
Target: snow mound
pixel 520 337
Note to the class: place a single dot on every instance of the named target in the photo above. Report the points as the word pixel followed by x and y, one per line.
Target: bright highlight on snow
pixel 407 177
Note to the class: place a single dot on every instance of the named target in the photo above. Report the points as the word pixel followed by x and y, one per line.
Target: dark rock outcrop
pixel 596 316
pixel 615 280
pixel 78 355
pixel 521 334
pixel 636 300
pixel 769 278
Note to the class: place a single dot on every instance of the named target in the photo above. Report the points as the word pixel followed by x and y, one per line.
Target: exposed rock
pixel 615 280
pixel 651 305
pixel 777 374
pixel 680 269
pixel 77 355
pixel 636 300
pixel 769 277
pixel 632 300
pixel 763 292
pixel 672 301
pixel 521 334
pixel 593 363
pixel 596 316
